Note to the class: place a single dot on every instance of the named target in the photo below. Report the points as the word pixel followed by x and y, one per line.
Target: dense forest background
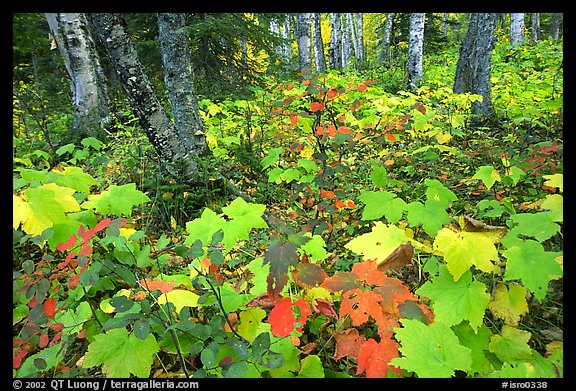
pixel 288 195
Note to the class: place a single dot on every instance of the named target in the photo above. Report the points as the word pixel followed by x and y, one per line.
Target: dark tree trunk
pixel 474 63
pixel 176 157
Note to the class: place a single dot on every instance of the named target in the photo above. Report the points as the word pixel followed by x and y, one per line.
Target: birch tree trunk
pixel 415 50
pixel 359 38
pixel 445 18
pixel 286 49
pixel 516 29
pixel 385 52
pixel 318 44
pixel 175 50
pixel 176 157
pixel 556 22
pixel 87 79
pixel 303 39
pixel 474 63
pixel 351 35
pixel 335 49
pixel 534 28
pixel 347 48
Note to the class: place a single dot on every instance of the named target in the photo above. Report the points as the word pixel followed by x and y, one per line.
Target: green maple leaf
pixel 116 200
pixel 379 176
pixel 382 203
pixel 315 248
pixel 73 177
pixel 437 192
pixel 462 250
pixel 540 226
pixel 488 175
pixel 555 204
pixel 204 227
pixel 122 354
pixel 512 345
pixel 454 302
pixel 477 341
pixel 432 215
pixel 509 304
pixel 430 351
pixel 379 243
pixel 244 217
pixel 535 267
pixel 42 207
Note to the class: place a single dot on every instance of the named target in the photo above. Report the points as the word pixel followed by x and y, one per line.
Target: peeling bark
pixel 87 80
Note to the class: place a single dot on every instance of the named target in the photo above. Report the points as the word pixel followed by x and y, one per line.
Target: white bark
pixel 303 39
pixel 87 80
pixel 286 50
pixel 516 29
pixel 385 52
pixel 415 50
pixel 320 61
pixel 535 28
pixel 347 48
pixel 359 37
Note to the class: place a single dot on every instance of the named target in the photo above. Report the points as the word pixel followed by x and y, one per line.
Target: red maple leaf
pixel 374 358
pixel 282 319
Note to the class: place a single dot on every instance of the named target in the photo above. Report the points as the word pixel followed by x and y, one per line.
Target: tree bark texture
pixel 516 29
pixel 178 77
pixel 335 49
pixel 179 160
pixel 87 79
pixel 474 63
pixel 318 44
pixel 385 52
pixel 415 50
pixel 303 39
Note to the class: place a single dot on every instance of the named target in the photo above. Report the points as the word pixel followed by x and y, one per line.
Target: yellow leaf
pixel 42 207
pixel 379 243
pixel 556 180
pixel 179 298
pixel 509 304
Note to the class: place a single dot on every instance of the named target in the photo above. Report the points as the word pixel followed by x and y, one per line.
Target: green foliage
pixel 387 239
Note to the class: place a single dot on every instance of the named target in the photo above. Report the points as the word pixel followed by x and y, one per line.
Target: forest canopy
pixel 324 195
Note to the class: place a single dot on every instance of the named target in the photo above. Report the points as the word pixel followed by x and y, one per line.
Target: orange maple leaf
pixel 361 305
pixel 374 357
pixel 368 271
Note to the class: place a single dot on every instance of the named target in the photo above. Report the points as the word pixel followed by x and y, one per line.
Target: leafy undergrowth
pixel 386 239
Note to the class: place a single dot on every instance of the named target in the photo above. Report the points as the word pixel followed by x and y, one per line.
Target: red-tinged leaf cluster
pixel 82 254
pixel 369 296
pixel 317 106
pixel 283 319
pixel 374 357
